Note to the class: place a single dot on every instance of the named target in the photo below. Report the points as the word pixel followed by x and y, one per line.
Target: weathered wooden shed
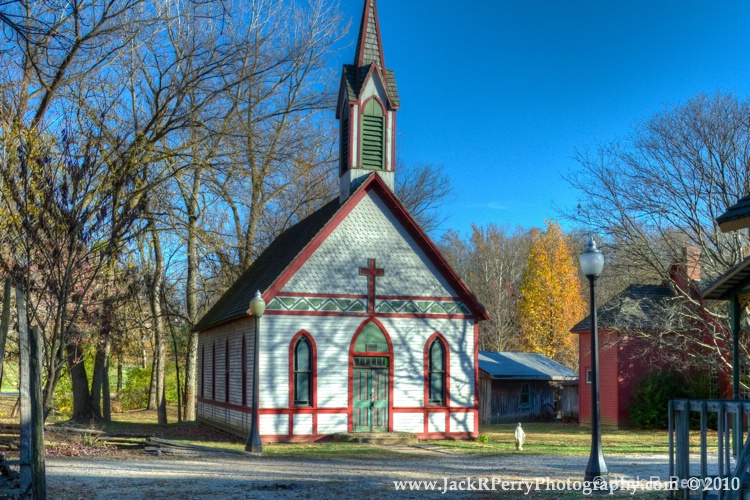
pixel 521 387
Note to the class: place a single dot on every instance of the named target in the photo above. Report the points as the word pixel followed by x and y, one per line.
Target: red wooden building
pixel 625 354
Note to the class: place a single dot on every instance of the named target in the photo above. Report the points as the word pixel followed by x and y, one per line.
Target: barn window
pixel 303 372
pixel 226 371
pixel 525 395
pixel 244 371
pixel 436 373
pixel 373 136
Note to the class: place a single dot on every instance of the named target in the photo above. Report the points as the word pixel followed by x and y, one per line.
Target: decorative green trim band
pixel 387 306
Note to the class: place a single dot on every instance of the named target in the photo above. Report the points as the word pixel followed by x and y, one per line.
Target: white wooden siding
pixel 303 424
pixel 333 336
pixel 408 422
pixel 462 422
pixel 370 231
pixel 436 422
pixel 332 423
pixel 217 337
pixel 274 424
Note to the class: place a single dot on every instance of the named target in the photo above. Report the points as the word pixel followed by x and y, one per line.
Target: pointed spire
pixel 369 46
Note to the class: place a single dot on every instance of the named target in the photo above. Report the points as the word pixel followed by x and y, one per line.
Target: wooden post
pixel 4 324
pixel 24 395
pixel 704 444
pixel 670 436
pixel 720 435
pixel 39 488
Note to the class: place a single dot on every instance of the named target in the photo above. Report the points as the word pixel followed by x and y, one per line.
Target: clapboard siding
pixel 436 422
pixel 216 338
pixel 500 400
pixel 408 422
pixel 462 422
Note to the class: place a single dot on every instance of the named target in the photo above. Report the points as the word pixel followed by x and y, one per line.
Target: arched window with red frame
pixel 436 371
pixel 302 376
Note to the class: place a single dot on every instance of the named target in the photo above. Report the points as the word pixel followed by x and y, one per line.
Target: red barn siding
pixel 609 390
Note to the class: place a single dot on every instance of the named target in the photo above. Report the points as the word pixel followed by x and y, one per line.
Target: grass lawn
pixel 564 439
pixel 541 439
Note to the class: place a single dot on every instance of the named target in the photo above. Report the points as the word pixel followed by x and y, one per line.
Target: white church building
pixel 367 327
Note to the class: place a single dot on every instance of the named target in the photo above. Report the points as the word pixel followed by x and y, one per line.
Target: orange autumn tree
pixel 552 299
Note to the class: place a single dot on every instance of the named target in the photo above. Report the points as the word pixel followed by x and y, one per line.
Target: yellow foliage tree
pixel 552 300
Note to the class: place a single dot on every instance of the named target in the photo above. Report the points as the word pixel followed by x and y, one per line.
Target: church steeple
pixel 367 105
pixel 369 45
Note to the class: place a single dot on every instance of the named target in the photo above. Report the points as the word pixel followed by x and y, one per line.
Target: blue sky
pixel 502 92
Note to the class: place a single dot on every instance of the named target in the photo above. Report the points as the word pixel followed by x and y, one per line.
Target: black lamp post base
pixel 254 445
pixel 596 470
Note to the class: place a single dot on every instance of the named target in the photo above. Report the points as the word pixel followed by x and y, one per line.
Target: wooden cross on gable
pixel 371 272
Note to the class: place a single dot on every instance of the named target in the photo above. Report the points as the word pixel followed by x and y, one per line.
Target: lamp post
pixel 592 263
pixel 257 308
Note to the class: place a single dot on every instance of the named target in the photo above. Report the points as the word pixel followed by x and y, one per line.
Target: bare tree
pixel 492 262
pixel 662 187
pixel 659 191
pixel 423 188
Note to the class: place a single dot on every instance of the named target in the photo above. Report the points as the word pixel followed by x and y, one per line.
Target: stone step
pixel 380 438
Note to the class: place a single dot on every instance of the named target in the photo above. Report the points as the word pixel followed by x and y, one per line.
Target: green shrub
pixel 483 438
pixel 653 393
pixel 137 383
pixel 135 390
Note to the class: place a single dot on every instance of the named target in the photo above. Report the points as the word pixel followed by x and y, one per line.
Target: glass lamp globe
pixel 592 260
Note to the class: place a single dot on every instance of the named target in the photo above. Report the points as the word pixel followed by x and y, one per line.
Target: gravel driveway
pixel 273 477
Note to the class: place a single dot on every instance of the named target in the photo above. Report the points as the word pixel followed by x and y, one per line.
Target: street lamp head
pixel 257 305
pixel 592 260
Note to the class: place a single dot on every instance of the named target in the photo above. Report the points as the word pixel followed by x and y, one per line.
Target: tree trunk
pixel 191 296
pixel 119 374
pixel 106 401
pixel 158 322
pixel 82 408
pixel 100 401
pixel 152 386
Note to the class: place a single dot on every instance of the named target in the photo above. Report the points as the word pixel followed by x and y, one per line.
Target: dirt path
pixel 269 477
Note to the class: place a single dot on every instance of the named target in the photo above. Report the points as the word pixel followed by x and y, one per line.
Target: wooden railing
pixel 723 463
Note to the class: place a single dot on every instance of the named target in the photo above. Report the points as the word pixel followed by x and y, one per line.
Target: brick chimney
pixel 692 260
pixel 688 267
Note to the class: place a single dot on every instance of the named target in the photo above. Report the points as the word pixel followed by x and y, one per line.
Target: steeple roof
pixel 369 46
pixel 369 52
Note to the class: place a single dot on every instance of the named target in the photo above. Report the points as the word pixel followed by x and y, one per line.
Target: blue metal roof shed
pixel 523 366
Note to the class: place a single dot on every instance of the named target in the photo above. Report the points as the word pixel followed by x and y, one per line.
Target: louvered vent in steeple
pixel 373 136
